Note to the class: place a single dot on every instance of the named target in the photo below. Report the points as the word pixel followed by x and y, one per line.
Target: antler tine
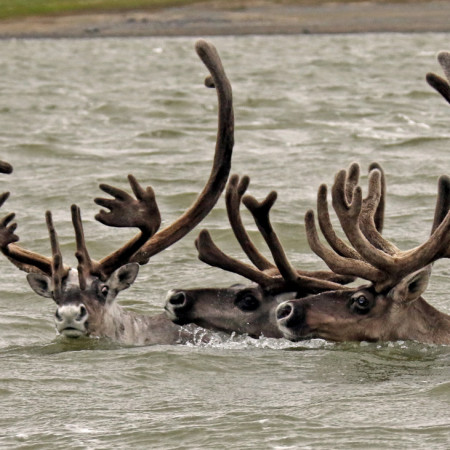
pixel 221 166
pixel 212 255
pixel 437 246
pixel 303 282
pixel 371 212
pixel 58 271
pixel 5 167
pixel 260 212
pixel 337 263
pixel 352 180
pixel 442 201
pixel 235 190
pixel 337 244
pixel 348 215
pixel 379 212
pixel 23 259
pixel 438 83
pixel 86 266
pixel 444 61
pixel 391 268
pixel 125 211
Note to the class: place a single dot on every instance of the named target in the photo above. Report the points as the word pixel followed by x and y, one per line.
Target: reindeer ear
pixel 124 276
pixel 41 284
pixel 411 287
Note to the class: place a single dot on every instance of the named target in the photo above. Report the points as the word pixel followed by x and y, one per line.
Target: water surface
pixel 76 113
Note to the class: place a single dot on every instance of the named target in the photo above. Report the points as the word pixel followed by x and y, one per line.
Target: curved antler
pixel 221 166
pixel 143 212
pixel 212 255
pixel 438 83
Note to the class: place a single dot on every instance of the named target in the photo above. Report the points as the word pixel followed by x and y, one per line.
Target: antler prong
pixel 58 272
pixel 221 165
pixel 260 212
pixel 336 262
pixel 438 83
pixel 235 190
pixel 212 255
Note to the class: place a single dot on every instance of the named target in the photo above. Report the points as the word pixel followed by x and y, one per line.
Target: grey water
pixel 76 113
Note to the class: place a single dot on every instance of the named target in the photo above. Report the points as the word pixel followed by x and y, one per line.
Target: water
pixel 75 113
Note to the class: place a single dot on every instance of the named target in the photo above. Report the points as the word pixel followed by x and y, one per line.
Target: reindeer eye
pixel 360 304
pixel 104 290
pixel 247 303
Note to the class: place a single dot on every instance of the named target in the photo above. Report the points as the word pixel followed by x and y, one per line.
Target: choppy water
pixel 79 112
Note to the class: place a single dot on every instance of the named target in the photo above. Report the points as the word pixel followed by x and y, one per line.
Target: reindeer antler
pixel 377 259
pixel 5 167
pixel 58 270
pixel 125 211
pixel 236 188
pixel 221 166
pixel 24 259
pixel 142 212
pixel 278 277
pixel 440 84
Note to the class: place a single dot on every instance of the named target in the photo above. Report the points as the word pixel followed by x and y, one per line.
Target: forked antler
pixel 376 259
pixel 440 84
pixel 372 214
pixel 221 166
pixel 143 212
pixel 278 277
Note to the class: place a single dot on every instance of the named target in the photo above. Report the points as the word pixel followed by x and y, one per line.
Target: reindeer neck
pixel 427 324
pixel 131 328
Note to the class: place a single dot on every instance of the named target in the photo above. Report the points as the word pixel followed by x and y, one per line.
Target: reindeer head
pixel 391 306
pixel 82 312
pixel 251 308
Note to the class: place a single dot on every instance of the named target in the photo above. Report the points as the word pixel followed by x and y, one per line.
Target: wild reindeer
pixel 250 309
pixel 391 306
pixel 85 297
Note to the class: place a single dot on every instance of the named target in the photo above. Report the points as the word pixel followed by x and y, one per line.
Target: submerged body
pixel 93 312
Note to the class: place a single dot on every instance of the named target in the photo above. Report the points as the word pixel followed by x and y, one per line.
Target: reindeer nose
pixel 284 310
pixel 71 313
pixel 290 315
pixel 71 319
pixel 178 299
pixel 177 304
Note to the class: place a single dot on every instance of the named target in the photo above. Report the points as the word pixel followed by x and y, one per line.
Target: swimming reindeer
pixel 391 306
pixel 251 309
pixel 85 297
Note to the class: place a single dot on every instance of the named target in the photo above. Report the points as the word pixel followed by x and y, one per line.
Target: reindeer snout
pixel 178 299
pixel 177 303
pixel 71 319
pixel 290 315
